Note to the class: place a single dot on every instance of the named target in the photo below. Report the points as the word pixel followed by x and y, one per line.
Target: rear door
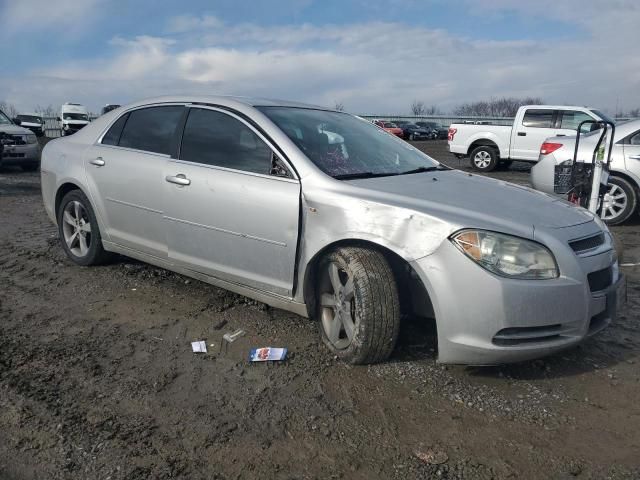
pixel 536 125
pixel 125 176
pixel 232 205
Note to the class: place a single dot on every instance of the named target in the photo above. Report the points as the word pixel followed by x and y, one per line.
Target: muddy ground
pixel 97 380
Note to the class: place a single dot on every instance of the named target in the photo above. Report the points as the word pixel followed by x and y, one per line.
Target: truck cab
pixel 73 117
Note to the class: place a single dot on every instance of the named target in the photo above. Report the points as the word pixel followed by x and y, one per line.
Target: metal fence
pixel 52 125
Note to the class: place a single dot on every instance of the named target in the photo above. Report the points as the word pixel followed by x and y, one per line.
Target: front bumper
pixel 483 319
pixel 18 154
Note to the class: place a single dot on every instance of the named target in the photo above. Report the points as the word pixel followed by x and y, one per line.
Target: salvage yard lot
pixel 97 380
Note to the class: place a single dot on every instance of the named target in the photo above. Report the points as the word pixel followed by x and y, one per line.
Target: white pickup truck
pixel 486 146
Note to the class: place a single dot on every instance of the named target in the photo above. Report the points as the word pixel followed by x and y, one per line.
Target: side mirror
pixel 17 121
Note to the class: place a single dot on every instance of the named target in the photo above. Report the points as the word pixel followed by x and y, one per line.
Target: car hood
pixel 15 130
pixel 467 200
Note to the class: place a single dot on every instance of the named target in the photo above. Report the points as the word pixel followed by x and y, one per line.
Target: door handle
pixel 179 179
pixel 634 157
pixel 561 135
pixel 522 134
pixel 98 162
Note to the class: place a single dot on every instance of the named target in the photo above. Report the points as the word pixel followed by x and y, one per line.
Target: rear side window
pixel 571 119
pixel 151 129
pixel 112 137
pixel 215 138
pixel 538 118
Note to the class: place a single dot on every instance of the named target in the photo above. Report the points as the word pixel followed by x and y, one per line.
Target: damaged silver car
pixel 322 213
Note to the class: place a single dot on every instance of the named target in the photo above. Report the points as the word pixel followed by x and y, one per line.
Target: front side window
pixel 571 119
pixel 75 116
pixel 151 129
pixel 344 146
pixel 537 118
pixel 215 138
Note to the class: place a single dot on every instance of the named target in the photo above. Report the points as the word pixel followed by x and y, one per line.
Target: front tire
pixel 79 232
pixel 484 158
pixel 619 202
pixel 358 305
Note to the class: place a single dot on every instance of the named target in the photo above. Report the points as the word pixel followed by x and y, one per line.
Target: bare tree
pixel 339 106
pixel 432 110
pixel 47 111
pixel 496 107
pixel 9 109
pixel 417 108
pixel 633 113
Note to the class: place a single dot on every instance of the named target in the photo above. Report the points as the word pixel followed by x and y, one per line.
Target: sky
pixel 372 56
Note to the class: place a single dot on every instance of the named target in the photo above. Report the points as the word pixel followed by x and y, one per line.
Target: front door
pixel 528 135
pixel 228 213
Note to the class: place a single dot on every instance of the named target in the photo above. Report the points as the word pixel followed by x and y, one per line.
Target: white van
pixel 73 117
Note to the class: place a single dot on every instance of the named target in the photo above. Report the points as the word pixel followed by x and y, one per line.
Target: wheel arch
pixel 414 296
pixel 628 177
pixel 62 190
pixel 483 142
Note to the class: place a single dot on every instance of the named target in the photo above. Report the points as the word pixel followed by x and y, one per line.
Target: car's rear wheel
pixel 484 158
pixel 358 305
pixel 79 232
pixel 619 201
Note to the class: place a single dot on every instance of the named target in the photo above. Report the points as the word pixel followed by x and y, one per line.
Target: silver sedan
pixel 621 198
pixel 324 214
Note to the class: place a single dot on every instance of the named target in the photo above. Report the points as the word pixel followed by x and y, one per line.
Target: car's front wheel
pixel 79 232
pixel 484 158
pixel 619 201
pixel 358 305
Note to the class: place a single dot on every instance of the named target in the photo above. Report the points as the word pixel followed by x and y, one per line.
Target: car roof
pixel 227 100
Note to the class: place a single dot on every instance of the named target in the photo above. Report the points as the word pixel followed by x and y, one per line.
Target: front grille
pixel 12 155
pixel 601 279
pixel 520 335
pixel 588 243
pixel 10 140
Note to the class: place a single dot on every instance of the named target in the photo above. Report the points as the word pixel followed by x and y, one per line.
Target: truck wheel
pixel 619 202
pixel 358 305
pixel 484 158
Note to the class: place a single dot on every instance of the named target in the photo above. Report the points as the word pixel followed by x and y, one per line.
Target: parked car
pixel 621 199
pixel 411 131
pixel 441 132
pixel 73 117
pixel 488 145
pixel 31 121
pixel 108 107
pixel 253 196
pixel 391 128
pixel 20 145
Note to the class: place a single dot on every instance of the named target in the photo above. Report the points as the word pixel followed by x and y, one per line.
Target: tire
pixel 83 252
pixel 620 201
pixel 30 167
pixel 484 158
pixel 366 305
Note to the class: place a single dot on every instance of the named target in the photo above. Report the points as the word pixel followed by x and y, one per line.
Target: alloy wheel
pixel 338 306
pixel 482 159
pixel 76 228
pixel 614 202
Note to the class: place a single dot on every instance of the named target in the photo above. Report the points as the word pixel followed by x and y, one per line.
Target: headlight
pixel 506 255
pixel 31 139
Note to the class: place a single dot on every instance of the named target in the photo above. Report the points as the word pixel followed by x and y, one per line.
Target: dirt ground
pixel 97 380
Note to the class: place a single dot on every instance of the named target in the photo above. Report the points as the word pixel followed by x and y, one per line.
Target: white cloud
pixel 55 15
pixel 377 67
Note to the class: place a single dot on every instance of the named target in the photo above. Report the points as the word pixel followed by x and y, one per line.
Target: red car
pixel 390 127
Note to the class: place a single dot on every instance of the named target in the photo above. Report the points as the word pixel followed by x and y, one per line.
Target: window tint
pixel 571 120
pixel 215 138
pixel 112 137
pixel 151 129
pixel 538 118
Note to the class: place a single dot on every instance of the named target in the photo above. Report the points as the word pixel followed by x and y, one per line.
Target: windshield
pixel 603 116
pixel 4 120
pixel 342 145
pixel 29 119
pixel 75 116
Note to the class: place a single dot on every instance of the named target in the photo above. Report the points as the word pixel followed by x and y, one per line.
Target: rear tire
pixel 620 201
pixel 357 305
pixel 79 232
pixel 484 158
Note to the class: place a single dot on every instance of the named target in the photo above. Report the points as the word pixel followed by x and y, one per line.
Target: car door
pixel 568 121
pixel 631 148
pixel 232 205
pixel 537 124
pixel 125 176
